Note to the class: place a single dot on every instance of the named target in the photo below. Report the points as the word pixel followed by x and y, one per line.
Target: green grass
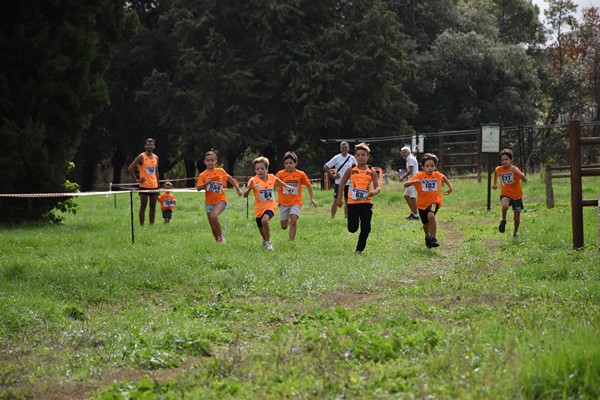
pixel 86 313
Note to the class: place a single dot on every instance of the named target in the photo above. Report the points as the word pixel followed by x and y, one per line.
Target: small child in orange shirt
pixel 167 202
pixel 429 195
pixel 290 201
pixel 263 185
pixel 511 193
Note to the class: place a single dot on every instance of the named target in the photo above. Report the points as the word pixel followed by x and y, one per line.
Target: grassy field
pixel 84 313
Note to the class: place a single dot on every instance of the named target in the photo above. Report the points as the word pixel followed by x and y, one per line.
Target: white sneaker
pixel 269 246
pixel 265 244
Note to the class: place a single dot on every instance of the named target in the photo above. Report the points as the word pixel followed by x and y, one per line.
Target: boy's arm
pixel 248 188
pixel 447 183
pixel 282 183
pixel 376 187
pixel 310 193
pixel 495 185
pixel 411 182
pixel 521 175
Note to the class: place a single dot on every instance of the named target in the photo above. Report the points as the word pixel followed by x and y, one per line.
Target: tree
pixel 53 57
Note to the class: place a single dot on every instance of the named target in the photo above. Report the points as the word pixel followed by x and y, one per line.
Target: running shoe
pixel 502 226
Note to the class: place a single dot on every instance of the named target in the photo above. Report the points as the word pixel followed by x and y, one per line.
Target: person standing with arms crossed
pixel 360 205
pixel 336 167
pixel 147 164
pixel 410 193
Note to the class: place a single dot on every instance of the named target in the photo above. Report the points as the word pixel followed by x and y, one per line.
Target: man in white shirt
pixel 336 168
pixel 410 193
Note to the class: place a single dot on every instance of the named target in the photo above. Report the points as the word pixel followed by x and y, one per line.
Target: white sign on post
pixel 490 139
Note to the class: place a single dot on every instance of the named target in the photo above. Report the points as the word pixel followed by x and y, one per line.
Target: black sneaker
pixel 413 217
pixel 502 226
pixel 410 216
pixel 428 242
pixel 433 242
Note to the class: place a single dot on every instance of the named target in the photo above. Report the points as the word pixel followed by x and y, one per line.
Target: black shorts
pixel 259 220
pixel 336 187
pixel 424 213
pixel 149 194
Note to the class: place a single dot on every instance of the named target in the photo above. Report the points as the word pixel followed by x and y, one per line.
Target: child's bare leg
pixel 213 220
pixel 432 224
pixel 284 224
pixel 505 205
pixel 517 223
pixel 293 226
pixel 266 231
pixel 426 229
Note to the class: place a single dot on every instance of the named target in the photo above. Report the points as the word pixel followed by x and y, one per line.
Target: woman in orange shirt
pixel 429 195
pixel 360 205
pixel 147 164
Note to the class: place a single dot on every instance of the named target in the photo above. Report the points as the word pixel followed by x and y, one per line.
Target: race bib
pixel 359 194
pixel 292 190
pixel 429 185
pixel 507 179
pixel 266 195
pixel 169 203
pixel 214 187
pixel 150 170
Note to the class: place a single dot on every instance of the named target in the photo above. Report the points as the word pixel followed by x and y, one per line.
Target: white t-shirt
pixel 411 160
pixel 337 161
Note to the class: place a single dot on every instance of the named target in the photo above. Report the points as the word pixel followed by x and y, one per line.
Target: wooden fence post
pixel 576 185
pixel 549 188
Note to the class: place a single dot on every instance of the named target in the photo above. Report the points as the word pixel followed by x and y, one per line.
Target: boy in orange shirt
pixel 429 195
pixel 213 181
pixel 167 202
pixel 511 193
pixel 360 205
pixel 290 201
pixel 263 185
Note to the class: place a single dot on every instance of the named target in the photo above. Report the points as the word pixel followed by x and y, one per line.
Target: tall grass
pixel 86 312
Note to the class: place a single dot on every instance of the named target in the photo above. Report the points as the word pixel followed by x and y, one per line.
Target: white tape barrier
pixel 73 194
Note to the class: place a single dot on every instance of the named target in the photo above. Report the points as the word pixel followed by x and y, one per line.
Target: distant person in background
pixel 360 205
pixel 410 193
pixel 147 165
pixel 290 201
pixel 511 193
pixel 429 195
pixel 167 202
pixel 213 181
pixel 336 167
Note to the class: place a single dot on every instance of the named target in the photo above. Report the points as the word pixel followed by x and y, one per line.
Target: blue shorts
pixel 167 214
pixel 259 220
pixel 209 207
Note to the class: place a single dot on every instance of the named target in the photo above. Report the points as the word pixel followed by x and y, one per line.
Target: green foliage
pixel 54 56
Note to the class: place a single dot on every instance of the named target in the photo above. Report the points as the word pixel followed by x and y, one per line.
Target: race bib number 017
pixel 429 185
pixel 507 179
pixel 266 195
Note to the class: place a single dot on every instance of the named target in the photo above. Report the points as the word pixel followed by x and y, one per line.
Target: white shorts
pixel 286 211
pixel 411 192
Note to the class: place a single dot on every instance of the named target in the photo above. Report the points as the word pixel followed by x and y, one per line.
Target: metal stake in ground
pixel 131 211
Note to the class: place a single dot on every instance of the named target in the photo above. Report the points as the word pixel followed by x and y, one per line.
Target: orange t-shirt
pixel 148 170
pixel 167 201
pixel 295 179
pixel 429 190
pixel 359 189
pixel 264 194
pixel 215 189
pixel 510 183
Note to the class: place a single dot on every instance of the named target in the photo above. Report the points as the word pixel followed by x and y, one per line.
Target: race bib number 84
pixel 266 195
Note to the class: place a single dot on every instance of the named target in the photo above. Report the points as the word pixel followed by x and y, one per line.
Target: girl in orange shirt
pixel 511 193
pixel 213 181
pixel 429 195
pixel 360 205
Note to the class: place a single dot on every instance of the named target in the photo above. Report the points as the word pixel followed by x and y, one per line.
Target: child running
pixel 290 201
pixel 360 205
pixel 429 198
pixel 511 193
pixel 167 202
pixel 263 185
pixel 212 181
